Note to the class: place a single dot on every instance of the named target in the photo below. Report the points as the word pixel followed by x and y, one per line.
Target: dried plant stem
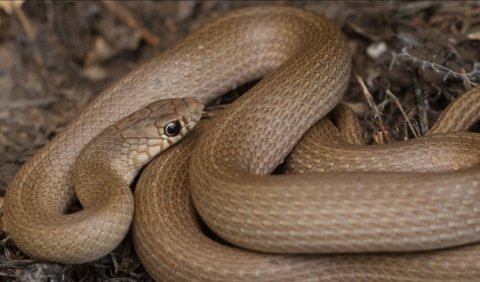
pixel 376 112
pixel 404 114
pixel 25 22
pixel 130 20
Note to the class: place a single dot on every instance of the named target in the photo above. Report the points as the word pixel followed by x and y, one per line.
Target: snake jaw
pixel 144 135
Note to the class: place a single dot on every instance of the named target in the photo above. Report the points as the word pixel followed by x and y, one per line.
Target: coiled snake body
pixel 306 65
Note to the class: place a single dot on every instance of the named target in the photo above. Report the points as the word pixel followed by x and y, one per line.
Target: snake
pixel 103 172
pixel 285 220
pixel 171 241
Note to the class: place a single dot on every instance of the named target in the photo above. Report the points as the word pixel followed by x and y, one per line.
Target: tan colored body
pixel 102 175
pixel 307 65
pixel 171 243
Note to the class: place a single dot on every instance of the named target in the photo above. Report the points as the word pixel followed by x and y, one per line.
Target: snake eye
pixel 172 128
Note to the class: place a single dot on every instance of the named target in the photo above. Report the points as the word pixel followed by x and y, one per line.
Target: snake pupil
pixel 173 128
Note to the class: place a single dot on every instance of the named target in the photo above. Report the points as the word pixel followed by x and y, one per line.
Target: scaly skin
pixel 307 64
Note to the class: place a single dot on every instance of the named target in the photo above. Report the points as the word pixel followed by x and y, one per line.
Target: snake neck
pixel 102 157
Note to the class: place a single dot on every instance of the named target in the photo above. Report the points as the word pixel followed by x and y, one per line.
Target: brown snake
pixel 102 175
pixel 306 65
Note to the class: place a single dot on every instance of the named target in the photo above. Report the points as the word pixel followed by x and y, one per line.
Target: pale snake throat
pixel 344 211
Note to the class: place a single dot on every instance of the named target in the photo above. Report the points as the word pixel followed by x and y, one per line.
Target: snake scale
pixel 420 196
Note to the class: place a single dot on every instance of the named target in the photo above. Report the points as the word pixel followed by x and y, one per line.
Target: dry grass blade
pixel 130 20
pixel 376 112
pixel 404 114
pixel 28 103
pixel 11 7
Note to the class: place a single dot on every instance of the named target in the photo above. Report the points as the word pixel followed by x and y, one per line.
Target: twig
pixel 28 103
pixel 469 79
pixel 467 13
pixel 116 265
pixel 404 114
pixel 25 22
pixel 363 32
pixel 130 20
pixel 422 109
pixel 374 108
pixel 16 7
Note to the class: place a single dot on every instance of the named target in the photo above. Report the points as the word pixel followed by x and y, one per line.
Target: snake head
pixel 149 131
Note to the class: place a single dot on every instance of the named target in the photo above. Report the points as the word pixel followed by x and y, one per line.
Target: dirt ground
pixel 413 57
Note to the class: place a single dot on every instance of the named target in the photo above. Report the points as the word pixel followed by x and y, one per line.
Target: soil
pixel 413 57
